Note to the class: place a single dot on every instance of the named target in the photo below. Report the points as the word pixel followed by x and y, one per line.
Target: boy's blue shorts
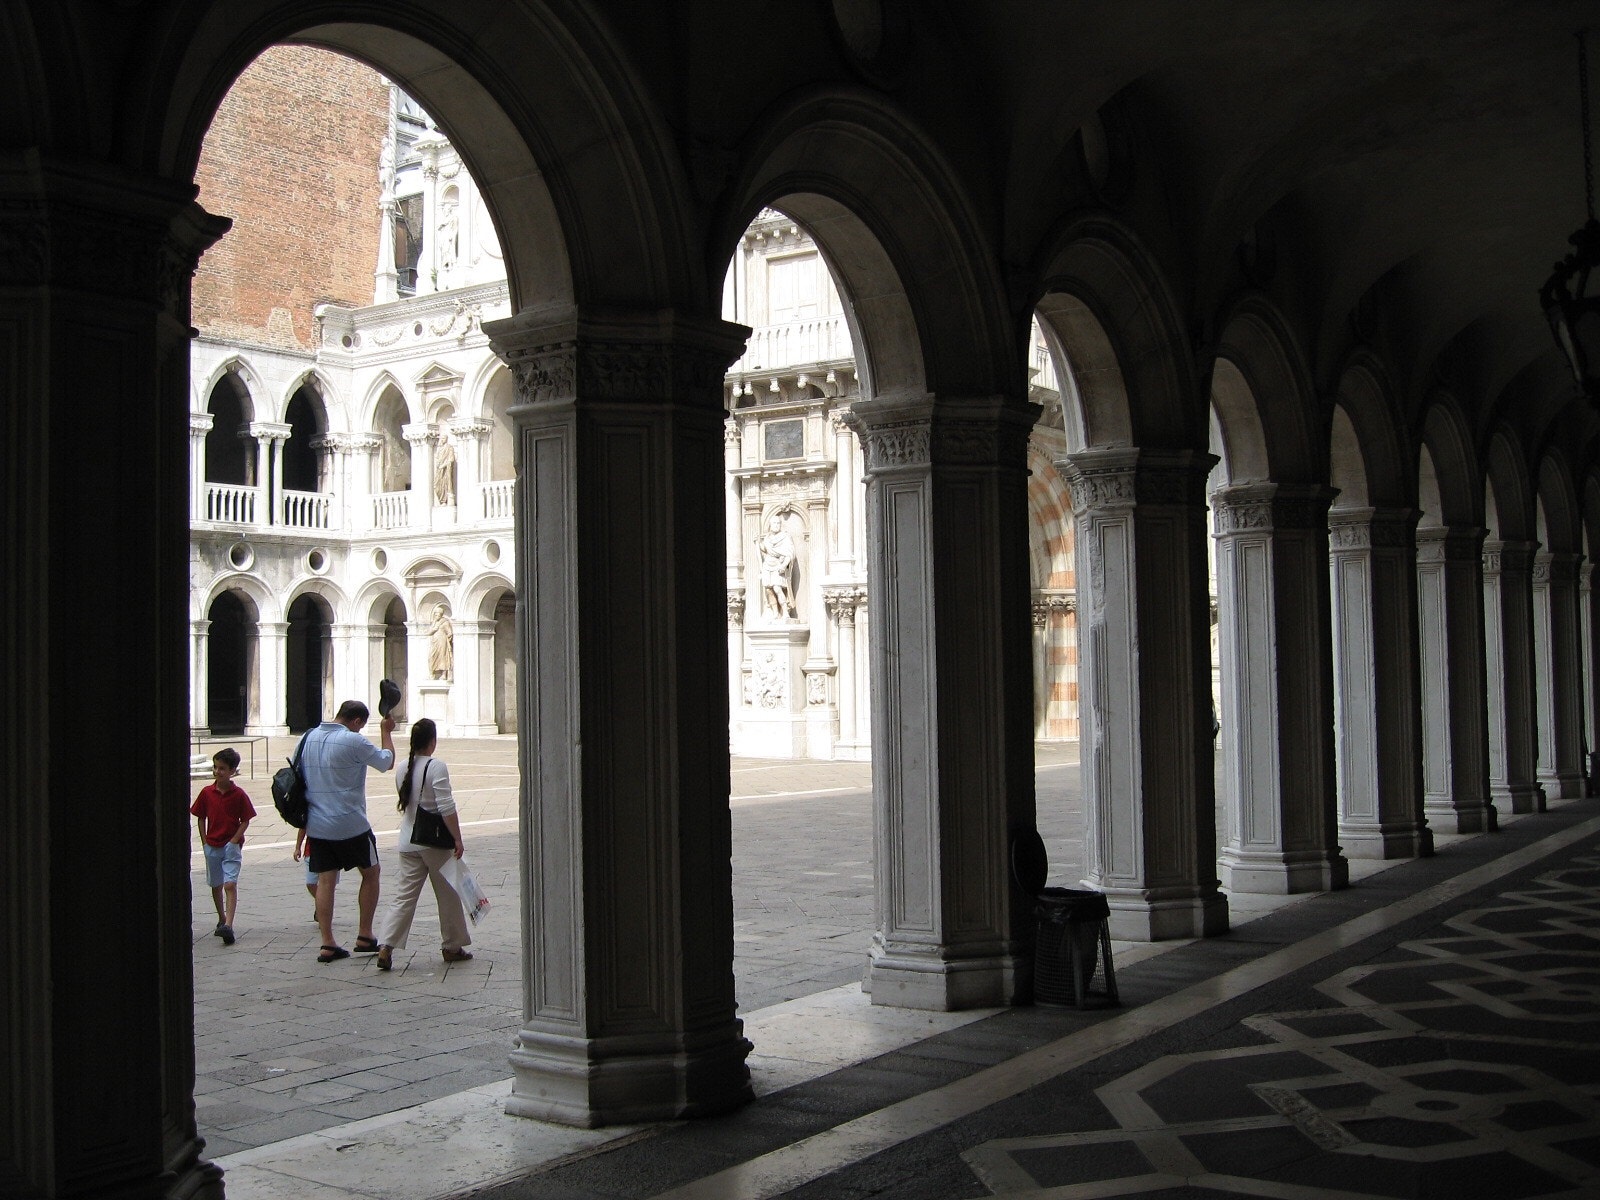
pixel 222 863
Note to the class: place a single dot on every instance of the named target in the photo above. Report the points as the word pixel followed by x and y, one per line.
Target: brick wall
pixel 292 157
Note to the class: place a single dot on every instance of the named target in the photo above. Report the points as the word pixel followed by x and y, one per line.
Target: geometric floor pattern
pixel 1461 1066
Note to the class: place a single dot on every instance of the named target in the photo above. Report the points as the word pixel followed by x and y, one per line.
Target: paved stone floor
pixel 285 1046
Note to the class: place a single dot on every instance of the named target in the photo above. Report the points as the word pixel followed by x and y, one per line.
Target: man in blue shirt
pixel 334 763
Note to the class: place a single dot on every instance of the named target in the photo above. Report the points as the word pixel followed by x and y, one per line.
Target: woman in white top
pixel 426 784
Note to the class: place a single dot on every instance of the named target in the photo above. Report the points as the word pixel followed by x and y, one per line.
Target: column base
pixel 1282 874
pixel 266 731
pixel 1467 816
pixel 626 1080
pixel 1376 841
pixel 1138 916
pixel 1518 798
pixel 191 1178
pixel 1562 785
pixel 917 977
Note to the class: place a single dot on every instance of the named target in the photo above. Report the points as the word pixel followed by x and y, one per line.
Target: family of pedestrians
pixel 338 837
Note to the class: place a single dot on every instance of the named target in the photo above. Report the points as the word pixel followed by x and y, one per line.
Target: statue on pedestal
pixel 444 474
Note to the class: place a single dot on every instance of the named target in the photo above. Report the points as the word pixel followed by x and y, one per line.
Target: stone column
pixel 1377 708
pixel 733 511
pixel 347 643
pixel 1277 690
pixel 627 893
pixel 469 689
pixel 96 1044
pixel 1455 722
pixel 1508 658
pixel 200 424
pixel 469 434
pixel 361 447
pixel 274 668
pixel 199 675
pixel 1591 702
pixel 270 437
pixel 846 479
pixel 952 733
pixel 422 437
pixel 1041 665
pixel 1145 689
pixel 1559 679
pixel 842 604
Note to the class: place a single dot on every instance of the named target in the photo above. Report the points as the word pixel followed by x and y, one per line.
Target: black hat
pixel 388 696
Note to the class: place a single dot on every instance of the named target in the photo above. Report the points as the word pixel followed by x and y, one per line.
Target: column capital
pixel 1266 507
pixel 842 602
pixel 1558 568
pixel 1128 477
pixel 1500 556
pixel 1450 543
pixel 648 356
pixel 469 429
pixel 267 431
pixel 201 422
pixel 91 228
pixel 1372 528
pixel 420 432
pixel 922 431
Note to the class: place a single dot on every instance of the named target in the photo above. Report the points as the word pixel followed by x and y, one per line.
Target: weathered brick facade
pixel 292 157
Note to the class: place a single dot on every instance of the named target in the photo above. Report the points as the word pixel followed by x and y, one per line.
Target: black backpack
pixel 289 790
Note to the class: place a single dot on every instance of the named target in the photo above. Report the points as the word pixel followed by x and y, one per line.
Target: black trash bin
pixel 1072 945
pixel 1072 934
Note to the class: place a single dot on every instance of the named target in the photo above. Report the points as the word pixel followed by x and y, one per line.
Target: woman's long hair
pixel 423 734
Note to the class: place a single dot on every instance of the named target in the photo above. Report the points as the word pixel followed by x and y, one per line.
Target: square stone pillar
pixel 1277 691
pixel 1455 719
pixel 623 703
pixel 200 675
pixel 952 730
pixel 1508 659
pixel 96 1040
pixel 1377 706
pixel 273 661
pixel 1144 684
pixel 200 424
pixel 1558 674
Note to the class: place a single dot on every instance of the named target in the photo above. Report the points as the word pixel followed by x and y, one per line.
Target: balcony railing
pixel 391 510
pixel 231 503
pixel 796 343
pixel 499 499
pixel 305 510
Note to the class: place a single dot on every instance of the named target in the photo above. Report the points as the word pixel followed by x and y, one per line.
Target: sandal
pixel 385 958
pixel 331 953
pixel 366 945
pixel 457 955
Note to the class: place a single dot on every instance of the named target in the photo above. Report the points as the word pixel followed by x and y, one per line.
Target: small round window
pixel 380 559
pixel 241 556
pixel 317 561
pixel 491 552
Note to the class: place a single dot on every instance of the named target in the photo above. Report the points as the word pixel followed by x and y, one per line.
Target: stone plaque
pixel 785 439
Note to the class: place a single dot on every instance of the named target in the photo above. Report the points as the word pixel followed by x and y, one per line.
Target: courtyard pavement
pixel 285 1046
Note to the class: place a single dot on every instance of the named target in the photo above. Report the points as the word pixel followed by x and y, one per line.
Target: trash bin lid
pixel 1030 864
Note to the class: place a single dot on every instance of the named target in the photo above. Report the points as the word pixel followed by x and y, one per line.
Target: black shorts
pixel 341 855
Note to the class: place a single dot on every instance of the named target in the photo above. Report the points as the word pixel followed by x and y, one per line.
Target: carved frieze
pixel 906 444
pixel 1372 529
pixel 1501 557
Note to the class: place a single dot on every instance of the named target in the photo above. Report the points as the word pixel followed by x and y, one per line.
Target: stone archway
pixel 308 676
pixel 232 667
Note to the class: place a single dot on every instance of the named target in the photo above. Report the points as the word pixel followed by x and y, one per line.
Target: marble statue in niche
pixel 444 474
pixel 776 548
pixel 441 646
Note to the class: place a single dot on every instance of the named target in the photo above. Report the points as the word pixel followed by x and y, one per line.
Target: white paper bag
pixel 460 877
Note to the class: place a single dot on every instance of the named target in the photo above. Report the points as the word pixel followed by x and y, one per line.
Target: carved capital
pixel 1267 507
pixel 1501 557
pixel 267 431
pixel 736 607
pixel 420 433
pixel 618 358
pixel 1126 478
pixel 1372 528
pixel 201 422
pixel 1555 569
pixel 470 429
pixel 842 603
pixel 926 431
pixel 1453 543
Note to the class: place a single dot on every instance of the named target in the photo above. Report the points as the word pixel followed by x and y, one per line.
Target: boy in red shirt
pixel 222 814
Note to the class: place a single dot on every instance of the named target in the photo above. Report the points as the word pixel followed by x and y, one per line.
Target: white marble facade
pixel 372 480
